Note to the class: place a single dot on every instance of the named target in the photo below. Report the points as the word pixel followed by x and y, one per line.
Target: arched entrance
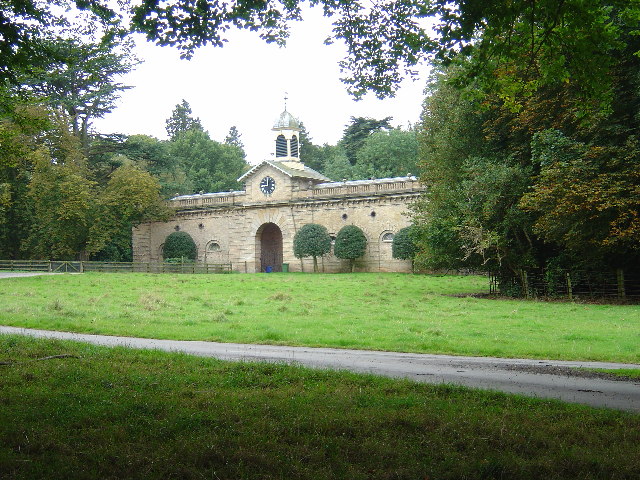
pixel 269 238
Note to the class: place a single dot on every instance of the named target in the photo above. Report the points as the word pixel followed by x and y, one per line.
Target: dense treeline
pixel 532 168
pixel 67 191
pixel 369 148
pixel 68 194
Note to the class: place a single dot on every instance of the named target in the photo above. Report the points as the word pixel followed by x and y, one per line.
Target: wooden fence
pixel 541 283
pixel 115 267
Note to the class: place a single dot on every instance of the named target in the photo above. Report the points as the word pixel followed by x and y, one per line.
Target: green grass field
pixel 117 413
pixel 394 312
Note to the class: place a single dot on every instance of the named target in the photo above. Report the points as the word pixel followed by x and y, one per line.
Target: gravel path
pixel 537 378
pixel 33 274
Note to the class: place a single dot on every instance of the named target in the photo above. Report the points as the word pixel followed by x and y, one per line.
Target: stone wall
pixel 227 226
pixel 227 231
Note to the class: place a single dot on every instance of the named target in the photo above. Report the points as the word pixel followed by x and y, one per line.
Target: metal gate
pixel 71 267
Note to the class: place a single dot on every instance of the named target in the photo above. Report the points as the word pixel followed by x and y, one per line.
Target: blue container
pixel 268 269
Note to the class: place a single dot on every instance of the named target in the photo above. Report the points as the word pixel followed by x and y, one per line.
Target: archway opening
pixel 270 247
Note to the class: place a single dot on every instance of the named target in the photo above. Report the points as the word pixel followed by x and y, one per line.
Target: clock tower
pixel 287 138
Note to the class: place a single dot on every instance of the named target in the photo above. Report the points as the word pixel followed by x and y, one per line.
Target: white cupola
pixel 287 137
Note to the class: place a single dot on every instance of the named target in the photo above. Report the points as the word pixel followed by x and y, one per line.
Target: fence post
pixel 525 283
pixel 569 287
pixel 620 279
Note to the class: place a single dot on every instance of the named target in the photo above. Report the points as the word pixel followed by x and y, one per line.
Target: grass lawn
pixel 622 372
pixel 395 312
pixel 118 413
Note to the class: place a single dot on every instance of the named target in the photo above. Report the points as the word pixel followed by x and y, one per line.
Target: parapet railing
pixel 357 187
pixel 205 201
pixel 347 188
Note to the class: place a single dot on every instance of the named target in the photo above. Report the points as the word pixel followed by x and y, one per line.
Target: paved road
pixel 26 274
pixel 536 378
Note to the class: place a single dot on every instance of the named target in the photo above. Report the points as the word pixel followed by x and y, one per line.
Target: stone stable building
pixel 253 229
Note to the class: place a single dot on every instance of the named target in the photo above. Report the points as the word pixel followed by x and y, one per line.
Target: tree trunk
pixel 315 264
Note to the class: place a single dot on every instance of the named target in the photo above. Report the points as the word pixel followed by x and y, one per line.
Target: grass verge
pixel 394 312
pixel 91 412
pixel 622 372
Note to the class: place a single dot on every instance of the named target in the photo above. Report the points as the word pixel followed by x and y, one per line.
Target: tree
pixel 392 153
pixel 538 44
pixel 27 25
pixel 208 166
pixel 310 154
pixel 404 246
pixel 475 170
pixel 233 138
pixel 80 79
pixel 337 166
pixel 358 131
pixel 179 245
pixel 181 120
pixel 545 177
pixel 62 196
pixel 586 198
pixel 131 196
pixel 351 243
pixel 22 127
pixel 312 240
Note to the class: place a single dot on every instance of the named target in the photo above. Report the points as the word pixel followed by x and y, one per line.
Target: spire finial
pixel 286 97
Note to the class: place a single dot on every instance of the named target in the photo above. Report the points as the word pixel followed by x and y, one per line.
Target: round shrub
pixel 351 243
pixel 404 248
pixel 312 240
pixel 179 245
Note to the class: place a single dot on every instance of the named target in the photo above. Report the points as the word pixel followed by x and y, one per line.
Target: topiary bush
pixel 179 245
pixel 312 240
pixel 404 247
pixel 351 243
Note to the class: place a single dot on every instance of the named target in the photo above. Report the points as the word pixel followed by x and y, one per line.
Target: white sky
pixel 243 84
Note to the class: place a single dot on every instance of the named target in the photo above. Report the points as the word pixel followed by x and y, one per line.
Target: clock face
pixel 267 185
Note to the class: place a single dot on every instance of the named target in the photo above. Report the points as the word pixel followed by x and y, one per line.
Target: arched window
pixel 281 146
pixel 213 247
pixel 294 146
pixel 387 237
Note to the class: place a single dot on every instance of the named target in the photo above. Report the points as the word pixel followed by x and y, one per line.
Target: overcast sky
pixel 244 84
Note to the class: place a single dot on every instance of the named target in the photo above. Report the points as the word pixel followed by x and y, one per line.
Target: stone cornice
pixel 301 203
pixel 337 191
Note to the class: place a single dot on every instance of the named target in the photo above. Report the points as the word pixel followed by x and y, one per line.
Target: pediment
pixel 260 169
pixel 301 171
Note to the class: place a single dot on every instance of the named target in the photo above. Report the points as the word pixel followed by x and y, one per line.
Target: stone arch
pixel 385 244
pixel 214 252
pixel 269 251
